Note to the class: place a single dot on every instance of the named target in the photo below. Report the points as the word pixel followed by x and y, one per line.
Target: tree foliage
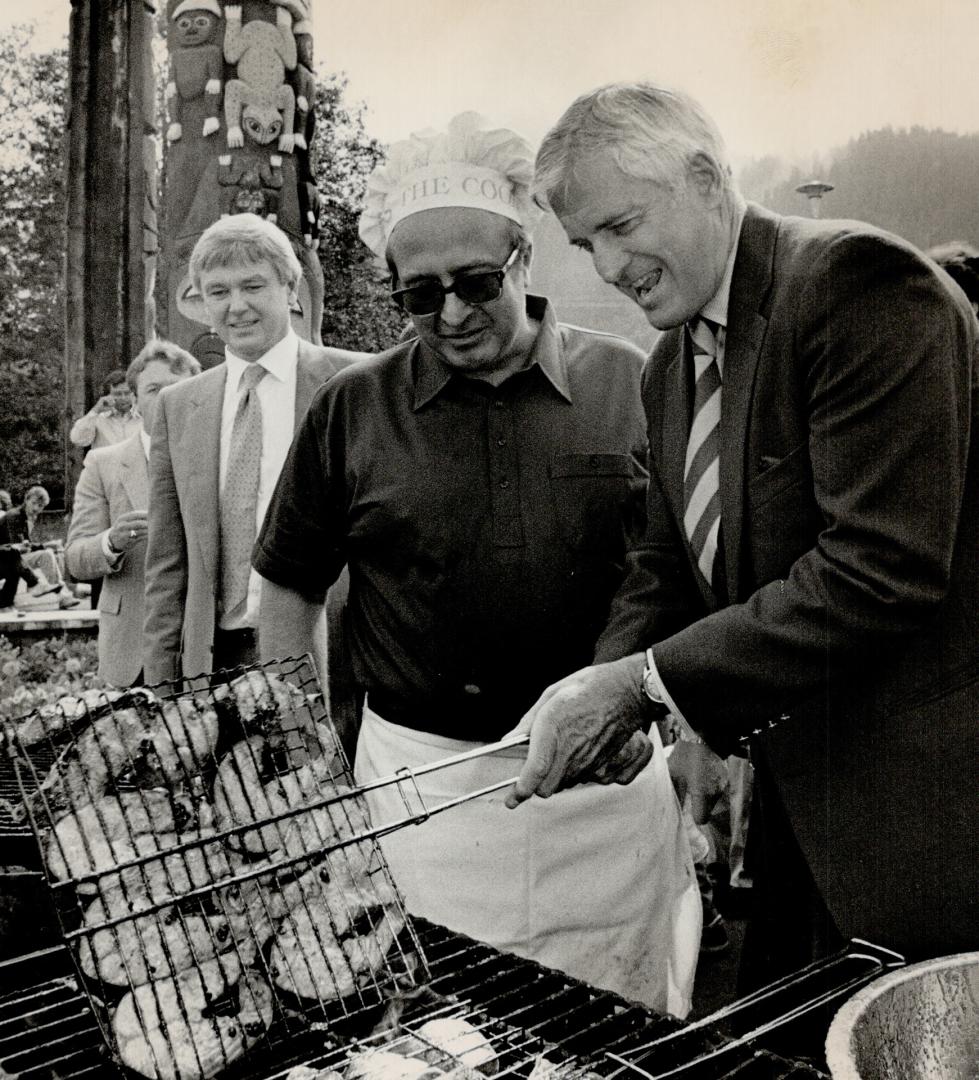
pixel 33 90
pixel 357 312
pixel 921 184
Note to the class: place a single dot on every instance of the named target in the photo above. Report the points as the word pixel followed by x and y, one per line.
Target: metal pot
pixel 916 1023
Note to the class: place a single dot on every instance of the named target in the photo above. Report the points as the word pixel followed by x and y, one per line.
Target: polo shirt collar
pixel 432 375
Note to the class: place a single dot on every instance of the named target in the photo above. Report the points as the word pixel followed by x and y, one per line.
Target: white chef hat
pixel 196 5
pixel 468 165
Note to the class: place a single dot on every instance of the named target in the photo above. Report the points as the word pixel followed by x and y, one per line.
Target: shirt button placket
pixel 504 475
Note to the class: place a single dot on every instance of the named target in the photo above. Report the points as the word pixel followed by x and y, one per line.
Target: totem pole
pixel 240 102
pixel 111 213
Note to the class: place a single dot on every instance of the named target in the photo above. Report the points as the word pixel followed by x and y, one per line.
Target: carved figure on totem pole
pixel 259 54
pixel 251 187
pixel 196 63
pixel 259 102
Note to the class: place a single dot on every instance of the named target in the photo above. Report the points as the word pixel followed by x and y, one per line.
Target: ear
pixel 525 260
pixel 706 175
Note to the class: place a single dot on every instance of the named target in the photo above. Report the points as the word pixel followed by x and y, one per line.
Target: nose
pixel 454 311
pixel 609 260
pixel 236 300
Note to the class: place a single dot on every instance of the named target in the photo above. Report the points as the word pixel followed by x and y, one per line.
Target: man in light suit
pixel 813 511
pixel 201 597
pixel 107 534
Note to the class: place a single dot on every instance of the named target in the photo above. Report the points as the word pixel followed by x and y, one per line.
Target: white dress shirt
pixel 277 397
pixel 716 310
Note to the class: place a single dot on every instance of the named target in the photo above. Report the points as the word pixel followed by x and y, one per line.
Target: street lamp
pixel 814 190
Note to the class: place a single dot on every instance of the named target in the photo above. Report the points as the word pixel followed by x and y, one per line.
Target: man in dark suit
pixel 813 513
pixel 218 444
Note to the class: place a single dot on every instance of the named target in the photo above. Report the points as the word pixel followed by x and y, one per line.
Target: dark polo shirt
pixel 485 528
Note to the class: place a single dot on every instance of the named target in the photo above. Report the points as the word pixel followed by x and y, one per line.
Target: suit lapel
pixel 132 473
pixel 310 376
pixel 676 423
pixel 746 327
pixel 202 440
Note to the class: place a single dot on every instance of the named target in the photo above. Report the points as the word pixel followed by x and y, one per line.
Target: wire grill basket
pixel 214 872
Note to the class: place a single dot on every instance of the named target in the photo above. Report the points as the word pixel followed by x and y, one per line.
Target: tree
pixel 921 184
pixel 33 90
pixel 357 311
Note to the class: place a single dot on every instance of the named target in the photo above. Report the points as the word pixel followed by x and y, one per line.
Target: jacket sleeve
pixel 83 430
pixel 90 521
pixel 166 561
pixel 884 361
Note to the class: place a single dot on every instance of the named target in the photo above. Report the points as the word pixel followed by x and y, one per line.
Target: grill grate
pixel 525 1011
pixel 212 872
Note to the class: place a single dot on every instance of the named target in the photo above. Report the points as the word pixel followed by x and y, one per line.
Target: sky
pixel 782 77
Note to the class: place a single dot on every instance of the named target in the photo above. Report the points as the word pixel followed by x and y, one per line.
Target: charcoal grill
pixel 48 1031
pixel 540 1024
pixel 214 874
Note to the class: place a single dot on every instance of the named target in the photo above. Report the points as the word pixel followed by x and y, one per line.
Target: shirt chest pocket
pixel 595 500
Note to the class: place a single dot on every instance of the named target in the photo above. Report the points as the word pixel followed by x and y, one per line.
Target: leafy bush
pixel 40 672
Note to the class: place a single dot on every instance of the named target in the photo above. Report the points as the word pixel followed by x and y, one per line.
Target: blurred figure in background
pixel 112 419
pixel 37 563
pixel 107 535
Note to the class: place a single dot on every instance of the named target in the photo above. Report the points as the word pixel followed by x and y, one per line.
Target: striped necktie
pixel 239 498
pixel 701 472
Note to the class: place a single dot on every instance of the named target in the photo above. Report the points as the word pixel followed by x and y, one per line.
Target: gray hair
pixel 178 360
pixel 38 491
pixel 647 131
pixel 242 240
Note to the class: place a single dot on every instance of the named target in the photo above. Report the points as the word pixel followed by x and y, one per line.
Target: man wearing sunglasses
pixel 483 482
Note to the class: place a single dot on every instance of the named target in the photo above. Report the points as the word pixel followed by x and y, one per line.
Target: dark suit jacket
pixel 182 545
pixel 850 523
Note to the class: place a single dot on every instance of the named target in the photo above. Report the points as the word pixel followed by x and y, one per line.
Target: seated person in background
pixel 483 480
pixel 38 564
pixel 107 535
pixel 961 262
pixel 112 419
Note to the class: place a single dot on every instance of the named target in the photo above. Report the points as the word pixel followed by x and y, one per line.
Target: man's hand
pixel 103 406
pixel 584 728
pixel 699 776
pixel 127 530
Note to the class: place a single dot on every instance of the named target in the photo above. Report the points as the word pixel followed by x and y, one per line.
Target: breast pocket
pixel 110 601
pixel 594 505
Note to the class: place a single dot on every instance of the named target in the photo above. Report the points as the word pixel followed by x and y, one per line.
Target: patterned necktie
pixel 701 489
pixel 239 499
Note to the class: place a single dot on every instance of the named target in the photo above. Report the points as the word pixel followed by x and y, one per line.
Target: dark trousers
pixel 234 648
pixel 12 569
pixel 789 926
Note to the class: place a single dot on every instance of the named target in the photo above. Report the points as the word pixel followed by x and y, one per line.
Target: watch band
pixel 651 688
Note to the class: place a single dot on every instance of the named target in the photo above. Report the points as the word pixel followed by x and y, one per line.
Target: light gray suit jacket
pixel 113 482
pixel 183 545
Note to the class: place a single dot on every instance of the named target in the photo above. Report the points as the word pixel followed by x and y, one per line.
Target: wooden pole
pixel 108 189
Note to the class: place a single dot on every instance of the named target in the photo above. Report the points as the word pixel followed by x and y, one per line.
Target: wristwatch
pixel 650 687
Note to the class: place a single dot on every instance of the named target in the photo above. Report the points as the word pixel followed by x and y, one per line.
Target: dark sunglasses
pixel 479 287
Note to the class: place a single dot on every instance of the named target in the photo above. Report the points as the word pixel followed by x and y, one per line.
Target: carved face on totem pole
pixel 193 27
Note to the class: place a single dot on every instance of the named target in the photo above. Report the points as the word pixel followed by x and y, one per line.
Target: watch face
pixel 649 686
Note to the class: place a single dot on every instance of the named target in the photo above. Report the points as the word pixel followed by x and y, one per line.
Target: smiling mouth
pixel 461 339
pixel 643 286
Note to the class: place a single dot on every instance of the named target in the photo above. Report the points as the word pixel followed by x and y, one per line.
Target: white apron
pixel 597 881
